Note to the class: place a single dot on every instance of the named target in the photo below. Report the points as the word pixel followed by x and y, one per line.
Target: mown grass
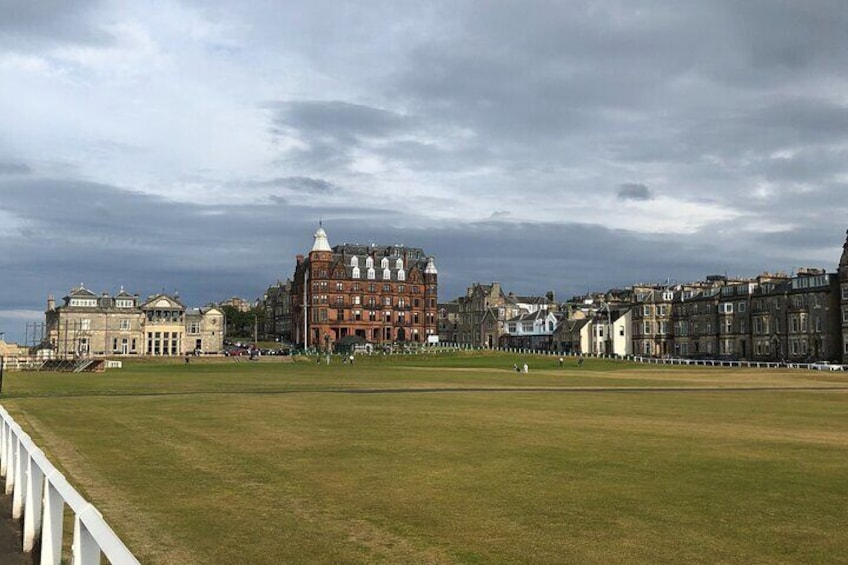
pixel 410 460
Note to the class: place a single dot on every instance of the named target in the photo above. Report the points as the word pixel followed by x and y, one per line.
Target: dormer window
pixel 354 261
pixel 387 274
pixel 355 272
pixel 371 274
pixel 384 264
pixel 399 264
pixel 401 275
pixel 369 263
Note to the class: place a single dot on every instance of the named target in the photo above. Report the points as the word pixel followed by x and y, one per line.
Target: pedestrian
pixel 351 358
pixel 515 367
pixel 187 359
pixel 560 361
pixel 526 368
pixel 580 361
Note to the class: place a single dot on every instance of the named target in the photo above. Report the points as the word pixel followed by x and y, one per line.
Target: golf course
pixel 451 458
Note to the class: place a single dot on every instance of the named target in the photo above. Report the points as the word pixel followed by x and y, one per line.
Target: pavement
pixel 11 536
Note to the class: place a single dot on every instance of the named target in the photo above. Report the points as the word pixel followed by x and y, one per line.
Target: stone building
pixel 843 295
pixel 531 330
pixel 90 325
pixel 481 303
pixel 239 304
pixel 483 312
pixel 448 322
pixel 276 302
pixel 652 321
pixel 380 294
pixel 773 317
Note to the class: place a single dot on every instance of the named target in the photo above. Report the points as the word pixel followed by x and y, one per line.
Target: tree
pixel 242 324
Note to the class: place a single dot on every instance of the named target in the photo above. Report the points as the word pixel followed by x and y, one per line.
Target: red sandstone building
pixel 381 294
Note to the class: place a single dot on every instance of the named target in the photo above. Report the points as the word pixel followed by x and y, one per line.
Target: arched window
pixel 355 273
pixel 384 264
pixel 369 262
pixel 399 263
pixel 354 261
pixel 401 275
pixel 371 274
pixel 387 275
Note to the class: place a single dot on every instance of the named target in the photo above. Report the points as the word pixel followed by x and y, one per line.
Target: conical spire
pixel 843 262
pixel 430 269
pixel 321 242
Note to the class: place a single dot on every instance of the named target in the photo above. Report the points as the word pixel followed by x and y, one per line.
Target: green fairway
pixel 452 459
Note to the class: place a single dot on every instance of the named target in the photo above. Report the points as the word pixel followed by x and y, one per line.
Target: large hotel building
pixel 366 293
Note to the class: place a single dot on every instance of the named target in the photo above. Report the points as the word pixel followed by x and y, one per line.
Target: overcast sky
pixel 567 146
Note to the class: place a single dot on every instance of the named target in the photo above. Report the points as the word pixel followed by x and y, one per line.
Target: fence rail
pixel 680 361
pixel 39 496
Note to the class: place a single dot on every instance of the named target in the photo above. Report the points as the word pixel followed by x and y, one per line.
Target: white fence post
pixel 10 461
pixel 40 493
pixel 20 481
pixel 33 506
pixel 4 446
pixel 51 537
pixel 85 548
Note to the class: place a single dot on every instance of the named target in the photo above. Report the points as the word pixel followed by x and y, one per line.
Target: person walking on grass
pixel 526 368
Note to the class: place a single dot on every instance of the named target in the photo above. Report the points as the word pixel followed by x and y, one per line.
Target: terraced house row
pixel 771 317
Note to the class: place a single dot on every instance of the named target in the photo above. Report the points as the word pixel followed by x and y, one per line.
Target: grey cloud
pixel 13 168
pixel 32 24
pixel 720 99
pixel 332 131
pixel 300 184
pixel 633 191
pixel 338 120
pixel 107 236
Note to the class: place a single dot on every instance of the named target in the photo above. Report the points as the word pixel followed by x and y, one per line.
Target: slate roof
pixel 532 316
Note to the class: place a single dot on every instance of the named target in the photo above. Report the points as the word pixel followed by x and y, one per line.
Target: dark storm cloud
pixel 75 231
pixel 576 258
pixel 729 105
pixel 29 24
pixel 634 191
pixel 644 83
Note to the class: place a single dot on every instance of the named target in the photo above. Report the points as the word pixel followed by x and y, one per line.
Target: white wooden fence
pixel 40 494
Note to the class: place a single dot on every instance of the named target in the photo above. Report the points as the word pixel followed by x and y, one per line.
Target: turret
pixel 321 241
pixel 430 269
